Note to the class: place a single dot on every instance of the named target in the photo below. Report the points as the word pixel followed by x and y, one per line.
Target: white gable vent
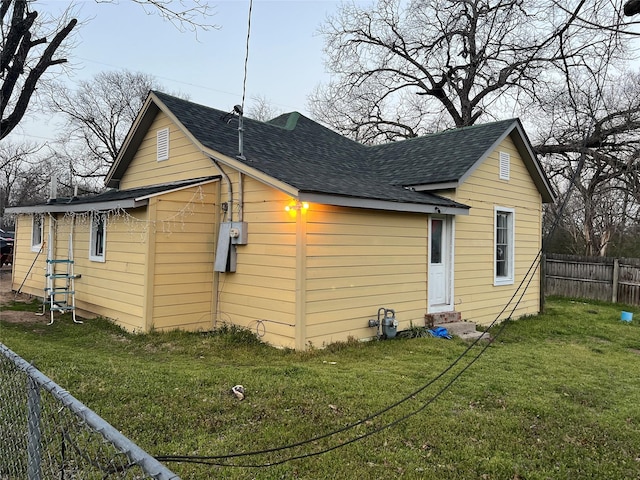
pixel 505 165
pixel 163 144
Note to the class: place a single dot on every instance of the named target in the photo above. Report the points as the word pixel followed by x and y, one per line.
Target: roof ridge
pixel 448 131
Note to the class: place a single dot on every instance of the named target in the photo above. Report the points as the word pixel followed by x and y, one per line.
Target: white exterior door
pixel 440 282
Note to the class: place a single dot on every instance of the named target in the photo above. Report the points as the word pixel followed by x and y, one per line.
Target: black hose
pixel 30 268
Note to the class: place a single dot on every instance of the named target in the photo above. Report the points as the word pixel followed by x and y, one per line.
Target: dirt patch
pixel 8 297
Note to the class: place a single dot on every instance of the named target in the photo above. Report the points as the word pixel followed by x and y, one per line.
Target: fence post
pixel 34 470
pixel 616 274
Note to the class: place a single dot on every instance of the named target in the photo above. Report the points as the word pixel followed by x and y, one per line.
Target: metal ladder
pixel 60 282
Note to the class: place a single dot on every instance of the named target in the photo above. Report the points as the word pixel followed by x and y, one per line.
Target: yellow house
pixel 293 231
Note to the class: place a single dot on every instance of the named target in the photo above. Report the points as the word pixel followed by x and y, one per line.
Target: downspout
pixel 215 300
pixel 240 196
pixel 240 156
pixel 226 179
pixel 215 287
pixel 49 281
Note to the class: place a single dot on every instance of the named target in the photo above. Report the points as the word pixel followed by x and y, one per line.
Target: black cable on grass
pixel 209 459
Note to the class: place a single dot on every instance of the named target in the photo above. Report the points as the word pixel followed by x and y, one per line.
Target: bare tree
pixel 25 55
pixel 98 113
pixel 588 135
pixel 262 109
pixel 405 68
pixel 21 178
pixel 31 44
pixel 185 16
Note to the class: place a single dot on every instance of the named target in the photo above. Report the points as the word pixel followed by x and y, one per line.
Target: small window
pixel 97 237
pixel 505 166
pixel 163 144
pixel 37 231
pixel 504 246
pixel 436 241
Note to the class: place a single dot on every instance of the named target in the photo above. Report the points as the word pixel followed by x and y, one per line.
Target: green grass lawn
pixel 555 396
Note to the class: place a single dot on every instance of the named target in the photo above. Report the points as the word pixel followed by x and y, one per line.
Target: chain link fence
pixel 46 433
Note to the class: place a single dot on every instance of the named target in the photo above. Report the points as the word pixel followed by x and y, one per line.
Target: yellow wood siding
pixel 25 272
pixel 111 289
pixel 261 294
pixel 359 260
pixel 183 256
pixel 114 288
pixel 304 278
pixel 476 297
pixel 171 288
pixel 185 160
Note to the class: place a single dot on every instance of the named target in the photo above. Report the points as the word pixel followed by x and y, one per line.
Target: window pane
pixel 436 241
pixel 503 244
pixel 501 236
pixel 99 237
pixel 36 237
pixel 501 264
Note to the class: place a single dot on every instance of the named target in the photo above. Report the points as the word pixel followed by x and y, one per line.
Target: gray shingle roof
pixel 438 158
pixel 107 199
pixel 325 166
pixel 308 156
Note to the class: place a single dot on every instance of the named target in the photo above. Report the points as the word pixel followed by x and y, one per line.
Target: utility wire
pixel 207 459
pixel 433 398
pixel 246 56
pixel 215 460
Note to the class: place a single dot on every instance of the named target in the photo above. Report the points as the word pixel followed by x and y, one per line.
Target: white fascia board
pixel 80 207
pixel 380 204
pixel 432 187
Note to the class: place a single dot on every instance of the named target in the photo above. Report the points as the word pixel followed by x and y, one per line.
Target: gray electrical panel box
pixel 231 234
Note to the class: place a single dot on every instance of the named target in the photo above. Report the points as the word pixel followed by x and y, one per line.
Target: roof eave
pixel 432 187
pixel 132 141
pixel 90 205
pixel 529 158
pixel 376 204
pixel 534 166
pixel 80 206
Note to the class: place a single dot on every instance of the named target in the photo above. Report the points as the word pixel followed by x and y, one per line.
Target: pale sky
pixel 285 51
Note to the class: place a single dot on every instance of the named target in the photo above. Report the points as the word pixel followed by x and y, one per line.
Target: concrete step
pixel 458 328
pixel 464 330
pixel 472 336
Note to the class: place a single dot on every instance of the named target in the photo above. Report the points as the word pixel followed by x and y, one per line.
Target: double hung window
pixel 504 240
pixel 97 237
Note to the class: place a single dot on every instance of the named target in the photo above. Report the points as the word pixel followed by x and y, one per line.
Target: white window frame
pixel 162 144
pixel 507 279
pixel 97 218
pixel 37 232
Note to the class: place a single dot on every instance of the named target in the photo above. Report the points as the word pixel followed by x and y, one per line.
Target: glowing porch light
pixel 296 206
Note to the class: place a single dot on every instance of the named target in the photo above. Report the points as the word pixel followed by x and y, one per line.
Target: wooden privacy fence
pixel 608 279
